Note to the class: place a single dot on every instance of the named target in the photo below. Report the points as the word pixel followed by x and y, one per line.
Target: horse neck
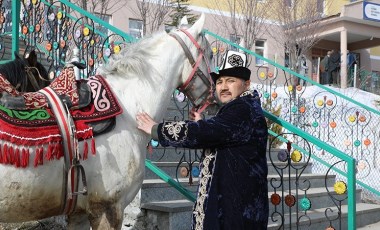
pixel 149 94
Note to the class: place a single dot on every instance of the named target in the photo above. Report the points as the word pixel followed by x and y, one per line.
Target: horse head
pixel 25 74
pixel 195 82
pixel 36 72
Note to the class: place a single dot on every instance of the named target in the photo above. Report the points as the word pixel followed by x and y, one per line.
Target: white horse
pixel 143 78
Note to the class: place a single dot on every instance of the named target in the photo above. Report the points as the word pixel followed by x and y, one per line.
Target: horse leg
pixel 106 217
pixel 78 221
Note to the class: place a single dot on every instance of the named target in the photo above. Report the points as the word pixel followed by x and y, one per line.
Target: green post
pixel 16 5
pixel 351 180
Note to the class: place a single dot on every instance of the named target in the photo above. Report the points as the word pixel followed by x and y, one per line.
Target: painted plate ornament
pixel 275 199
pixel 290 200
pixel 154 143
pixel 283 155
pixel 195 171
pixel 179 96
pixel 305 204
pixel 340 187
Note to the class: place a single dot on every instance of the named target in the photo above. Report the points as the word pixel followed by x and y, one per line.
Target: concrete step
pixel 171 168
pixel 170 215
pixel 176 214
pixel 318 197
pixel 158 190
pixel 306 179
pixel 375 226
pixel 365 214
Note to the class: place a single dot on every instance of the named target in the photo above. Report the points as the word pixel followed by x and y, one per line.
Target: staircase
pixel 160 206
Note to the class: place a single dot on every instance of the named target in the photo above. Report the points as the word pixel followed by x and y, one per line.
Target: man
pixel 334 67
pixel 324 68
pixel 233 192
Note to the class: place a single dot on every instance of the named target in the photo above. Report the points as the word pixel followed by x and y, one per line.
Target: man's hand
pixel 145 122
pixel 194 116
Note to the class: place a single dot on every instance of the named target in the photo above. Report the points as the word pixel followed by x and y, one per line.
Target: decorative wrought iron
pixel 337 196
pixel 290 163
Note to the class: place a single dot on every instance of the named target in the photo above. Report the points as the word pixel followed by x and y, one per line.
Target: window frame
pixel 259 61
pixel 133 31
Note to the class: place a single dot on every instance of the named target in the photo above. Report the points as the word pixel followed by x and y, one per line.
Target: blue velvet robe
pixel 233 192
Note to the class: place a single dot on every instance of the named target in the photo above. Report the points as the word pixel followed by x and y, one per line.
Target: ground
pixel 47 224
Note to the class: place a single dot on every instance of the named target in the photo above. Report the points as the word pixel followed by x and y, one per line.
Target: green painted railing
pixel 165 177
pixel 293 73
pixel 351 165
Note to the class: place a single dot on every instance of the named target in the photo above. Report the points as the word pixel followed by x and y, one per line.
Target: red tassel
pixel 58 151
pixel 5 154
pixel 85 150
pixel 49 154
pixel 24 158
pixel 11 155
pixel 36 157
pixel 17 158
pixel 27 157
pixel 41 156
pixel 1 156
pixel 93 146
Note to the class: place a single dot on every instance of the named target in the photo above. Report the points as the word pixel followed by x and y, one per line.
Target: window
pixel 136 28
pixel 235 39
pixel 101 29
pixel 260 50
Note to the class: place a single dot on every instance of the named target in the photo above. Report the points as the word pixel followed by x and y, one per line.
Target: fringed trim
pixel 85 150
pixel 93 146
pixel 19 156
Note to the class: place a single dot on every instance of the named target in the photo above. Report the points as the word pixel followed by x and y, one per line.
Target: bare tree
pixel 242 18
pixel 101 7
pixel 299 23
pixel 153 14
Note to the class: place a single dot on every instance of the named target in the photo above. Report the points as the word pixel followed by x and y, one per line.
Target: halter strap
pixel 195 65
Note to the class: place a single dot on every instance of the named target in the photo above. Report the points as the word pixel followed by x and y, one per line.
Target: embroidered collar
pixel 246 93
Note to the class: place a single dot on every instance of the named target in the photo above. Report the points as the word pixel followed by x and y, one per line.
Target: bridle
pixel 32 78
pixel 199 85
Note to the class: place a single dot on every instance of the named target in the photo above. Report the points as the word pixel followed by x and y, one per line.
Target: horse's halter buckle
pixel 198 86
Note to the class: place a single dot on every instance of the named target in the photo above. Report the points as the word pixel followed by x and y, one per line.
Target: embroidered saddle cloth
pixel 22 129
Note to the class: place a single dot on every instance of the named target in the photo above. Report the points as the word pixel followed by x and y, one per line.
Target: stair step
pixel 159 213
pixel 365 214
pixel 171 168
pixel 319 198
pixel 374 226
pixel 158 190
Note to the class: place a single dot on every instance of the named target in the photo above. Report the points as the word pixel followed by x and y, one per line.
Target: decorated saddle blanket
pixel 22 129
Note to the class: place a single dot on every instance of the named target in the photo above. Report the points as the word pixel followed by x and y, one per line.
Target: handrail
pixel 16 6
pixel 351 185
pixel 165 177
pixel 293 73
pixel 96 19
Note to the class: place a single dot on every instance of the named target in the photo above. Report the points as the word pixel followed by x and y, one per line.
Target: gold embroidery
pixel 205 176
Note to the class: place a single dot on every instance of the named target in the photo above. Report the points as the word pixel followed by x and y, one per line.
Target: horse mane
pixel 14 72
pixel 133 59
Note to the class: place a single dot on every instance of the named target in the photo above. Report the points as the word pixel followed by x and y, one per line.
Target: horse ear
pixel 32 58
pixel 198 25
pixel 16 55
pixel 183 22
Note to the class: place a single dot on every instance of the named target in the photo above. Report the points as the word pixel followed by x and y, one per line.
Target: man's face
pixel 228 88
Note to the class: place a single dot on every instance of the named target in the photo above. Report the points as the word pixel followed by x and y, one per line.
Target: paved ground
pixel 375 226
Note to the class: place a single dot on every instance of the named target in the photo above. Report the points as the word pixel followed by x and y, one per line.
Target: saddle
pixel 27 119
pixel 75 94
